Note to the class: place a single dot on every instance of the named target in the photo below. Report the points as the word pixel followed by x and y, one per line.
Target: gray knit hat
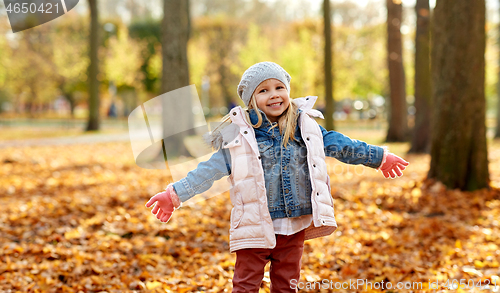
pixel 256 74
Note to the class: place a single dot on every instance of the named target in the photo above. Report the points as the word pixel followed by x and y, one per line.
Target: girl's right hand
pixel 393 166
pixel 166 202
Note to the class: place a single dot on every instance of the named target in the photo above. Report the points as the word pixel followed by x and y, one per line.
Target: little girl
pixel 280 189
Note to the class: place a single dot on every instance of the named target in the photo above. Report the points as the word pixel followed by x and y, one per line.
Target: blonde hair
pixel 287 122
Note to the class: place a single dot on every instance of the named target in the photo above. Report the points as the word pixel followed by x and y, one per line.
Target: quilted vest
pixel 251 224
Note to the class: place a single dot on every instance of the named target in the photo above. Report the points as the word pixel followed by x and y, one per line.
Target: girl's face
pixel 272 98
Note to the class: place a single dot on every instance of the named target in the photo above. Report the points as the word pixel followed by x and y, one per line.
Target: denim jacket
pixel 286 173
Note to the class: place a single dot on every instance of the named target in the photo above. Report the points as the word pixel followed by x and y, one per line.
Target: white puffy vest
pixel 251 224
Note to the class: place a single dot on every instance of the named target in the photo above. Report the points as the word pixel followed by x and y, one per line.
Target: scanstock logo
pixel 25 14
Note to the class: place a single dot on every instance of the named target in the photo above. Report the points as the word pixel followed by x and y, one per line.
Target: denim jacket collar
pixel 252 113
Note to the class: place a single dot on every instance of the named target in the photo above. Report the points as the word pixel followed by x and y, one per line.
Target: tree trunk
pixel 70 97
pixel 398 125
pixel 225 84
pixel 497 132
pixel 93 119
pixel 458 148
pixel 329 103
pixel 421 133
pixel 33 103
pixel 224 72
pixel 175 74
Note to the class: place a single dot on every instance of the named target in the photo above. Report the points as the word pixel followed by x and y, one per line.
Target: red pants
pixel 285 265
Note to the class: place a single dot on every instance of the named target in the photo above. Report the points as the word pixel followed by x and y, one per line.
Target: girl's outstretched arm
pixel 203 177
pixel 352 151
pixel 197 181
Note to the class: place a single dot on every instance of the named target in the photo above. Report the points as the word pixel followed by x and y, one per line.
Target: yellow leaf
pixel 385 235
pixel 152 285
pixel 19 249
pixel 75 233
pixel 227 263
pixel 472 271
pixel 96 269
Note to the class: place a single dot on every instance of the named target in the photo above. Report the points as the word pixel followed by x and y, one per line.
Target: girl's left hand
pixel 393 166
pixel 166 202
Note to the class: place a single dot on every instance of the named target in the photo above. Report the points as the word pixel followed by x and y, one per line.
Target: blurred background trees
pixel 497 132
pixel 380 60
pixel 398 126
pixel 327 30
pixel 175 73
pixel 226 38
pixel 421 132
pixel 71 69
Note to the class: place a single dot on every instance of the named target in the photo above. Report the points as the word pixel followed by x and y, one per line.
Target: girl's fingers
pixel 151 201
pixel 166 217
pixel 401 166
pixel 160 212
pixel 398 172
pixel 401 160
pixel 156 208
pixel 386 174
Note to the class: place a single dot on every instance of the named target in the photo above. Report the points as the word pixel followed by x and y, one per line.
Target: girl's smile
pixel 272 98
pixel 276 105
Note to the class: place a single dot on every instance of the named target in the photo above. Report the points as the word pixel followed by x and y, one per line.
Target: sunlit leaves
pixel 73 218
pixel 123 60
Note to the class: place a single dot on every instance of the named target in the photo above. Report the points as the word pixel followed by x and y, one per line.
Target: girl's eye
pixel 280 87
pixel 263 90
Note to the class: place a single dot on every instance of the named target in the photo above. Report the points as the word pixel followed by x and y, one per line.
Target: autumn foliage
pixel 72 218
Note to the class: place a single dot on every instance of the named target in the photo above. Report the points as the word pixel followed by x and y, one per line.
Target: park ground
pixel 72 218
